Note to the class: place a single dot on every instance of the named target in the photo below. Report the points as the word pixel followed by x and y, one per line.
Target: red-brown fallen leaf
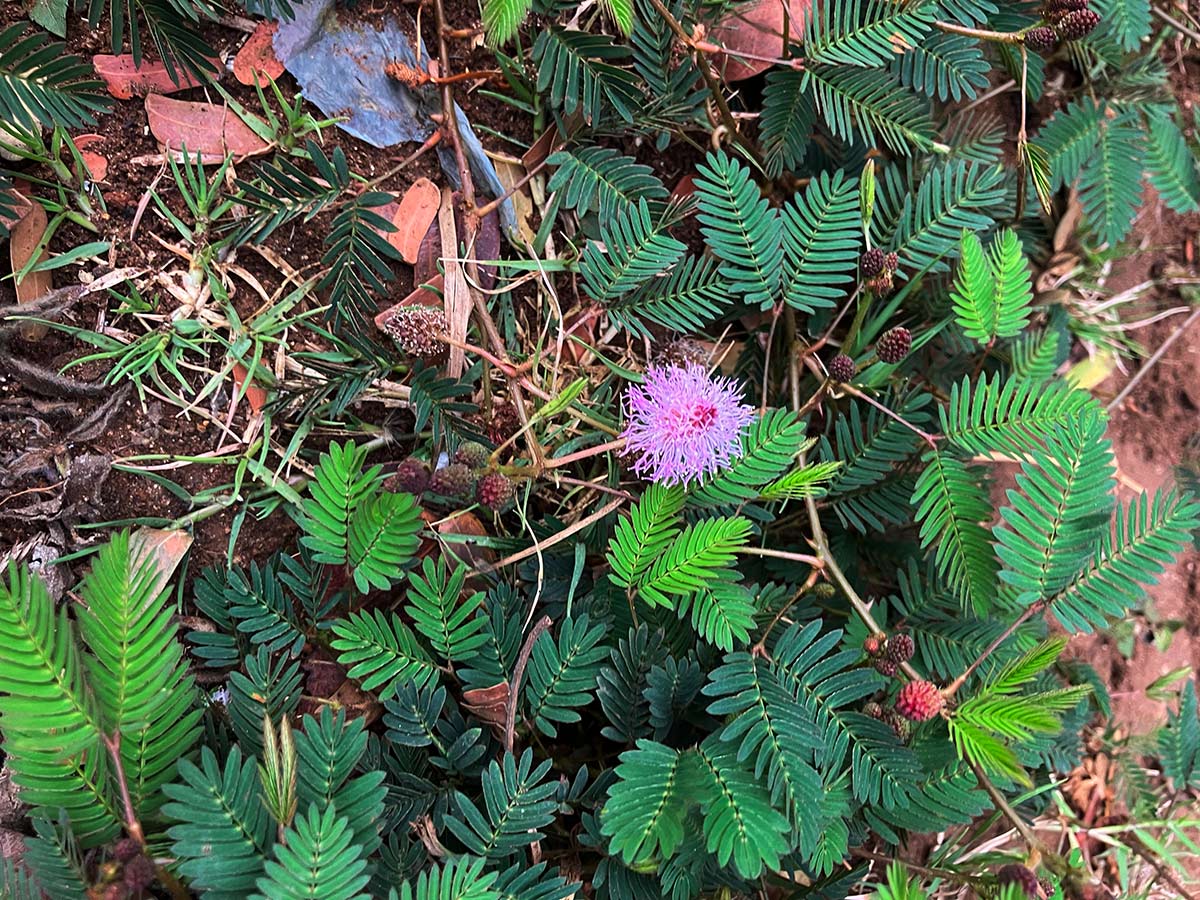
pixel 160 550
pixel 418 208
pixel 97 163
pixel 487 246
pixel 23 238
pixel 685 187
pixel 125 80
pixel 757 27
pixel 256 61
pixel 467 552
pixel 256 396
pixel 200 127
pixel 540 149
pixel 489 705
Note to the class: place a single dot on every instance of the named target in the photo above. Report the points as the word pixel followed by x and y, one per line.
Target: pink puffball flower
pixel 682 425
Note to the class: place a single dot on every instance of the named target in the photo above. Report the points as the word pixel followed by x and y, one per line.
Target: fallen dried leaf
pixel 200 127
pixel 256 395
pixel 97 164
pixel 416 212
pixel 757 28
pixel 257 57
pixel 160 549
pixel 23 240
pixel 126 80
pixel 489 705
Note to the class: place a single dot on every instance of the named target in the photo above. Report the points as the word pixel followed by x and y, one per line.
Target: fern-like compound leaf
pixel 769 447
pixel 601 180
pixel 767 725
pixel 1059 511
pixel 1010 415
pixel 137 671
pixel 821 241
pixel 691 559
pixel 42 85
pixel 1147 535
pixel 517 803
pixel 640 539
pixel 740 228
pixel 381 651
pixel 869 105
pixel 993 291
pixel 1172 165
pixel 580 73
pixel 328 750
pixel 224 831
pixel 1110 185
pixel 1069 139
pixel 954 197
pixel 945 66
pixel 440 612
pixel 52 721
pixel 502 18
pixel 383 538
pixel 951 501
pixel 635 249
pixel 316 859
pixel 865 32
pixel 688 298
pixel 786 124
pixel 644 815
pixel 1179 741
pixel 460 879
pixel 338 486
pixel 562 674
pixel 740 824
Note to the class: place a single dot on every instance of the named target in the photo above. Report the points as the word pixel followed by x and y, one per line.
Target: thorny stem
pixel 1008 812
pixel 759 649
pixel 829 565
pixel 814 561
pixel 952 688
pixel 924 435
pixel 558 536
pixel 514 690
pixel 610 446
pixel 714 86
pixel 998 37
pixel 132 825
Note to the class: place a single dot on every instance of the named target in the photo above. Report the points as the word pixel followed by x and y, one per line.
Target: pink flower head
pixel 682 425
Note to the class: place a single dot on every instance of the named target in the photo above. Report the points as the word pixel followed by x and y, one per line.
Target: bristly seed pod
pixel 495 491
pixel 454 480
pixel 894 345
pixel 1077 24
pixel 1019 875
pixel 472 454
pixel 415 330
pixel 872 262
pixel 1041 39
pixel 841 368
pixel 886 667
pixel 919 701
pixel 900 648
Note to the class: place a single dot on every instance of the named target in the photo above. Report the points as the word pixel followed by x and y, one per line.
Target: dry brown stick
pixel 514 690
pixel 484 316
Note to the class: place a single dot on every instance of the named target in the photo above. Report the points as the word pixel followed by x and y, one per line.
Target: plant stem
pixel 815 561
pixel 952 688
pixel 999 37
pixel 924 435
pixel 1008 812
pixel 558 536
pixel 714 86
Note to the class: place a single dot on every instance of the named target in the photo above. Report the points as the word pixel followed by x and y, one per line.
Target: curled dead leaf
pixel 97 163
pixel 758 28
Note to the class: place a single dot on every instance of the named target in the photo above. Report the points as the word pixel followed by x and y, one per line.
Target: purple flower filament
pixel 682 425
